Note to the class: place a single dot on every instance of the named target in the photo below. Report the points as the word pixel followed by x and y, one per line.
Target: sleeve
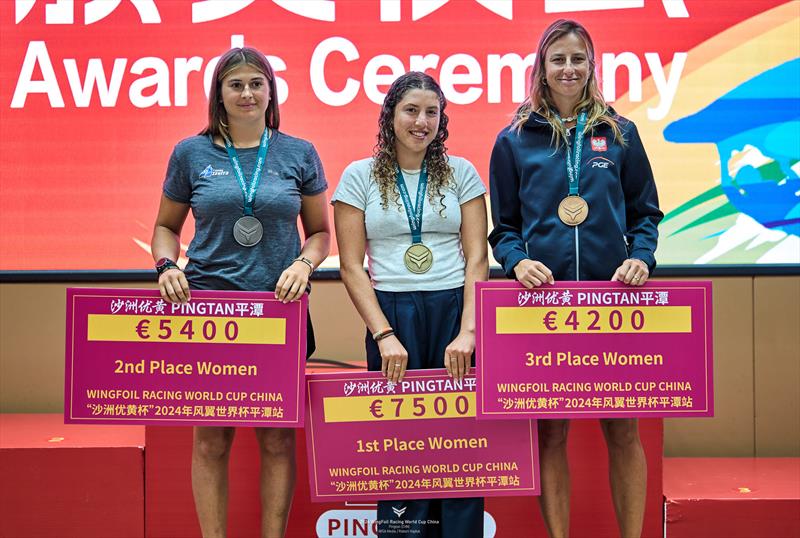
pixel 177 183
pixel 642 213
pixel 314 181
pixel 470 185
pixel 506 240
pixel 352 188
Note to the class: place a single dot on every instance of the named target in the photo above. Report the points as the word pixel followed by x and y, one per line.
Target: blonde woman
pixel 573 198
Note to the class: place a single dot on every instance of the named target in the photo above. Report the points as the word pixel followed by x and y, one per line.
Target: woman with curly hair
pixel 420 217
pixel 573 198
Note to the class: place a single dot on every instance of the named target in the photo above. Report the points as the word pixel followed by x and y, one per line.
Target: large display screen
pixel 94 94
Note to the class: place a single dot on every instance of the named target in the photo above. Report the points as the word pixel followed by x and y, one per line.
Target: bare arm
pixel 172 283
pixel 458 354
pixel 351 235
pixel 293 281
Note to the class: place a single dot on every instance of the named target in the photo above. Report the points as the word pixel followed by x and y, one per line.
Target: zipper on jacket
pixel 577 255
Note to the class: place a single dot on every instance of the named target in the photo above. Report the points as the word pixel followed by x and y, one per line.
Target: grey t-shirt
pixel 389 235
pixel 200 174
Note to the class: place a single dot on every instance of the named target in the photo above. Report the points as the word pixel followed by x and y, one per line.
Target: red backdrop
pixel 93 96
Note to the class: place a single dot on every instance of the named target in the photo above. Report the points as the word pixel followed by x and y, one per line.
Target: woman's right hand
pixel 394 358
pixel 532 274
pixel 173 286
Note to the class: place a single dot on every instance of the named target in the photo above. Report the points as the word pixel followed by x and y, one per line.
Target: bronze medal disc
pixel 418 258
pixel 573 210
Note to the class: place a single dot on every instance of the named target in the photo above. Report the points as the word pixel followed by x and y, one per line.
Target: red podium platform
pixel 70 481
pixel 732 497
pixel 170 510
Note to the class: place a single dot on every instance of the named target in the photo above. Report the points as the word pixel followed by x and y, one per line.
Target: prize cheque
pixel 223 358
pixel 416 439
pixel 594 350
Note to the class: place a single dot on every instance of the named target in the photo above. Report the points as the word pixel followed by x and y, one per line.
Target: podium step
pixel 70 481
pixel 732 497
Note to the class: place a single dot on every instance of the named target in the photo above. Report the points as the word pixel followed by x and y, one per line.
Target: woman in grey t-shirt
pixel 420 216
pixel 246 183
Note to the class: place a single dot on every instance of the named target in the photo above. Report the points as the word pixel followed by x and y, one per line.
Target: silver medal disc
pixel 248 231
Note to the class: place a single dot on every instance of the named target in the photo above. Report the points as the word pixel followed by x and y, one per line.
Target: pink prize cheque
pixel 417 439
pixel 594 350
pixel 223 358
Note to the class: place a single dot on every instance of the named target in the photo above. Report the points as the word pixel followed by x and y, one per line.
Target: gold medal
pixel 418 258
pixel 573 210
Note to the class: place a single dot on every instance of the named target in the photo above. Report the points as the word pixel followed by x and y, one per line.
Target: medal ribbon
pixel 574 163
pixel 249 193
pixel 414 213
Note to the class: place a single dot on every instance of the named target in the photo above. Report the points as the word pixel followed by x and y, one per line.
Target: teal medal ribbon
pixel 573 209
pixel 247 230
pixel 418 258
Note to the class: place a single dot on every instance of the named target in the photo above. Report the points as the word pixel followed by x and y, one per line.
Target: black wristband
pixel 165 264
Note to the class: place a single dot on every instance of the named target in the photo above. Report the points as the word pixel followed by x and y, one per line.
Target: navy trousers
pixel 425 322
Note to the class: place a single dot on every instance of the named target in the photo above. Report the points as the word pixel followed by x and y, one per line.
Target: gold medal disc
pixel 573 210
pixel 418 258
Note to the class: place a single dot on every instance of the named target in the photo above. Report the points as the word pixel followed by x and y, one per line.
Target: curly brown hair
pixel 384 163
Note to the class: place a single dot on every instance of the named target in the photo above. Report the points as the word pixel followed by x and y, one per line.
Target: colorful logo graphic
pixel 756 129
pixel 210 171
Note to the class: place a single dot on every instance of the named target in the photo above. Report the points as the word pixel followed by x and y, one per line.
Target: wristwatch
pixel 164 264
pixel 306 261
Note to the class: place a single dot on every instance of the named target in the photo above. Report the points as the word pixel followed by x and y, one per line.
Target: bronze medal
pixel 418 258
pixel 573 210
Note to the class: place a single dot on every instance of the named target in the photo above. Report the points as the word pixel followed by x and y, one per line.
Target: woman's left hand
pixel 458 355
pixel 293 282
pixel 632 271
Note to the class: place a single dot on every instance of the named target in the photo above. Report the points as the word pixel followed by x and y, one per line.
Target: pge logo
pixel 601 162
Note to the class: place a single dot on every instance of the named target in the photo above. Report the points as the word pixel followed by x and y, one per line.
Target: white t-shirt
pixel 389 235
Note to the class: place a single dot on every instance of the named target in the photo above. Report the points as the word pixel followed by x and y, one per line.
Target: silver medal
pixel 248 231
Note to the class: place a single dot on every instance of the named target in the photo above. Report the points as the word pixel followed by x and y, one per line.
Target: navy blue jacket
pixel 528 179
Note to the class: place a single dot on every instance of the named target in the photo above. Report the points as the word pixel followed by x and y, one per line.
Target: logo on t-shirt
pixel 210 171
pixel 599 143
pixel 601 162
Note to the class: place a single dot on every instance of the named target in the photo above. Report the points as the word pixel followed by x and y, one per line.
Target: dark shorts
pixel 425 322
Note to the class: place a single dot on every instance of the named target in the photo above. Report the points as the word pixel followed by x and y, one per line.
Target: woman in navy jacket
pixel 573 198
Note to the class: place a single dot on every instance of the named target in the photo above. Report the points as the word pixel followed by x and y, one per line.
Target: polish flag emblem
pixel 599 143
